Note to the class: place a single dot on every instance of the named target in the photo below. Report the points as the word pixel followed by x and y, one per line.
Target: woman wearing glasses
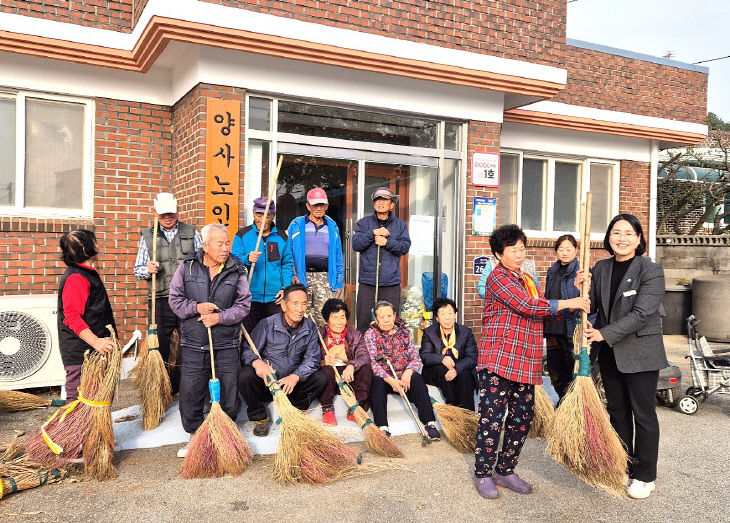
pixel 626 293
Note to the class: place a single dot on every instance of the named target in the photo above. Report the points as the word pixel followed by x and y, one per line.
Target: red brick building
pixel 103 104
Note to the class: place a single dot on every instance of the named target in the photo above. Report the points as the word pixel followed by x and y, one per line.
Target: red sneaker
pixel 328 417
pixel 350 416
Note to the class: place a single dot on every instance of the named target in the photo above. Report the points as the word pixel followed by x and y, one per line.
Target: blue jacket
pixel 288 354
pixel 567 290
pixel 273 271
pixel 363 241
pixel 298 242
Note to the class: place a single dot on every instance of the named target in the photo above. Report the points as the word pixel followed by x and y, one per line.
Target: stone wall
pixel 692 256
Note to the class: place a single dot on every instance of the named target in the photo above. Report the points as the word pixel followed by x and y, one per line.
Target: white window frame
pixel 18 208
pixel 585 180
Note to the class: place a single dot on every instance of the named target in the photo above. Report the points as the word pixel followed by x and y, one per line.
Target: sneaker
pixel 350 416
pixel 486 488
pixel 183 451
pixel 261 427
pixel 385 430
pixel 328 417
pixel 433 433
pixel 513 482
pixel 640 489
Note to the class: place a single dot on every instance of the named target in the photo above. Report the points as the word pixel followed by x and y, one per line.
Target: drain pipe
pixel 653 174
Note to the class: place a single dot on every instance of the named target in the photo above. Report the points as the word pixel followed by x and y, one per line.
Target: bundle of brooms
pixel 84 427
pixel 217 447
pixel 375 440
pixel 150 374
pixel 13 400
pixel 306 450
pixel 544 415
pixel 582 437
pixel 18 473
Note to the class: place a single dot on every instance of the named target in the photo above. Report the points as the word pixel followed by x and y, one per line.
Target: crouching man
pixel 289 343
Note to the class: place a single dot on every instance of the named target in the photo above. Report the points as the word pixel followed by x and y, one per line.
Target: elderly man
pixel 273 270
pixel 209 291
pixel 381 234
pixel 289 343
pixel 175 241
pixel 317 252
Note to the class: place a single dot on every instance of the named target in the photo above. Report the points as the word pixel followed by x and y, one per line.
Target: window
pixel 45 155
pixel 543 194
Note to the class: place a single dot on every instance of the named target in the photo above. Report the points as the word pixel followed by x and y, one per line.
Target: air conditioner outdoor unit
pixel 29 352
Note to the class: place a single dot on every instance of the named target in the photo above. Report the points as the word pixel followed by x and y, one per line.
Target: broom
pixel 13 400
pixel 272 193
pixel 375 440
pixel 582 437
pixel 377 285
pixel 150 374
pixel 543 415
pixel 306 450
pixel 18 473
pixel 64 435
pixel 459 424
pixel 217 447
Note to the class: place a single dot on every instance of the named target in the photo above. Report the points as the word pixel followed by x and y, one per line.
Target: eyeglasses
pixel 619 234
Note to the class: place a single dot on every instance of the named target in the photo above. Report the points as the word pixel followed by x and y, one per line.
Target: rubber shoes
pixel 181 453
pixel 513 482
pixel 328 417
pixel 261 428
pixel 433 433
pixel 486 488
pixel 639 489
pixel 350 416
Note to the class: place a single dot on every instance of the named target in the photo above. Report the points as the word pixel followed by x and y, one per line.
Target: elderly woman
pixel 449 354
pixel 560 284
pixel 509 362
pixel 345 350
pixel 84 309
pixel 626 293
pixel 388 337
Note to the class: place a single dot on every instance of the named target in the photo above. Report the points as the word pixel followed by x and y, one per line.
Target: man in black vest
pixel 175 241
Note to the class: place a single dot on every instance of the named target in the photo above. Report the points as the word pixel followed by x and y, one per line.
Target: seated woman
pixel 347 351
pixel 388 337
pixel 449 354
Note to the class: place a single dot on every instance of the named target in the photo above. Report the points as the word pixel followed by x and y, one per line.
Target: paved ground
pixel 434 483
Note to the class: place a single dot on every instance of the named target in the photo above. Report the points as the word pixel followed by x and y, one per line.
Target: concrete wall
pixel 692 256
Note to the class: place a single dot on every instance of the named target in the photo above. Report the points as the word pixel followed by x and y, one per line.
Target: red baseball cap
pixel 317 195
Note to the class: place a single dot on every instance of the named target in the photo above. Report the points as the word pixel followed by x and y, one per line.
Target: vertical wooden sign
pixel 222 151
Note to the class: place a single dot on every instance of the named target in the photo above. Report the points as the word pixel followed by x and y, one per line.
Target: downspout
pixel 653 174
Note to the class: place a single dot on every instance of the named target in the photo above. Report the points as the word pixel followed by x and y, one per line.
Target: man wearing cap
pixel 317 252
pixel 273 260
pixel 381 231
pixel 175 241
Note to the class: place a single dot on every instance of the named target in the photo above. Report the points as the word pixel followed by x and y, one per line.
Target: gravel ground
pixel 431 483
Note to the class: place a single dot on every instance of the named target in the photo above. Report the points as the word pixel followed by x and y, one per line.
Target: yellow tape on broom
pixel 55 448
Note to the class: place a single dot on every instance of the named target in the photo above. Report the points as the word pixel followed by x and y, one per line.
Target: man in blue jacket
pixel 289 345
pixel 273 269
pixel 317 252
pixel 383 232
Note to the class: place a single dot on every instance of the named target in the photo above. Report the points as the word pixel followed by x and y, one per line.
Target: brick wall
pixel 116 16
pixel 634 191
pixel 137 8
pixel 615 83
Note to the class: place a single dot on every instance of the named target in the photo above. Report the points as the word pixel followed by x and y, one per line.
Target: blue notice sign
pixel 480 264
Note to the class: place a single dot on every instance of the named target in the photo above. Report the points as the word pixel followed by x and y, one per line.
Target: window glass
pixel 7 151
pixel 533 191
pixel 567 196
pixel 509 171
pixel 347 124
pixel 259 114
pixel 452 136
pixel 602 196
pixel 54 154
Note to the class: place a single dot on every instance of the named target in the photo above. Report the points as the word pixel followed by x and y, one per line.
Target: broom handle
pixel 212 358
pixel 254 349
pixel 377 275
pixel 154 274
pixel 327 352
pixel 272 193
pixel 408 403
pixel 585 264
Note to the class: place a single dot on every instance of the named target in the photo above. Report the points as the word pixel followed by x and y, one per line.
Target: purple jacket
pixel 191 285
pixel 357 352
pixel 398 348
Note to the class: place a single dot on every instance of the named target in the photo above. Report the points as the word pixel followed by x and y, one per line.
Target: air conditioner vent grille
pixel 25 345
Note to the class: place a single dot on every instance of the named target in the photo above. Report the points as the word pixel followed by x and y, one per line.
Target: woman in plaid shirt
pixel 509 362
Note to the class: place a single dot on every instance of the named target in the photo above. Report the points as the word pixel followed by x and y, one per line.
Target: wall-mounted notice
pixel 484 219
pixel 485 169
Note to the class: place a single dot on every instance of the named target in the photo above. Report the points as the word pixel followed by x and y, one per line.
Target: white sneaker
pixel 639 489
pixel 183 451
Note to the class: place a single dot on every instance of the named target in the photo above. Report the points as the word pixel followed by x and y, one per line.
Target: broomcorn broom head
pixel 150 377
pixel 13 400
pixel 544 414
pixel 18 473
pixel 217 447
pixel 460 425
pixel 375 439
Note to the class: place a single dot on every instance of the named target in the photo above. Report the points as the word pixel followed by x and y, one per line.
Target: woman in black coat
pixel 449 355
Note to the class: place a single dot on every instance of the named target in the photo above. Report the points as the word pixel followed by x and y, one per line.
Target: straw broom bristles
pixel 150 377
pixel 217 447
pixel 460 425
pixel 18 473
pixel 544 414
pixel 13 400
